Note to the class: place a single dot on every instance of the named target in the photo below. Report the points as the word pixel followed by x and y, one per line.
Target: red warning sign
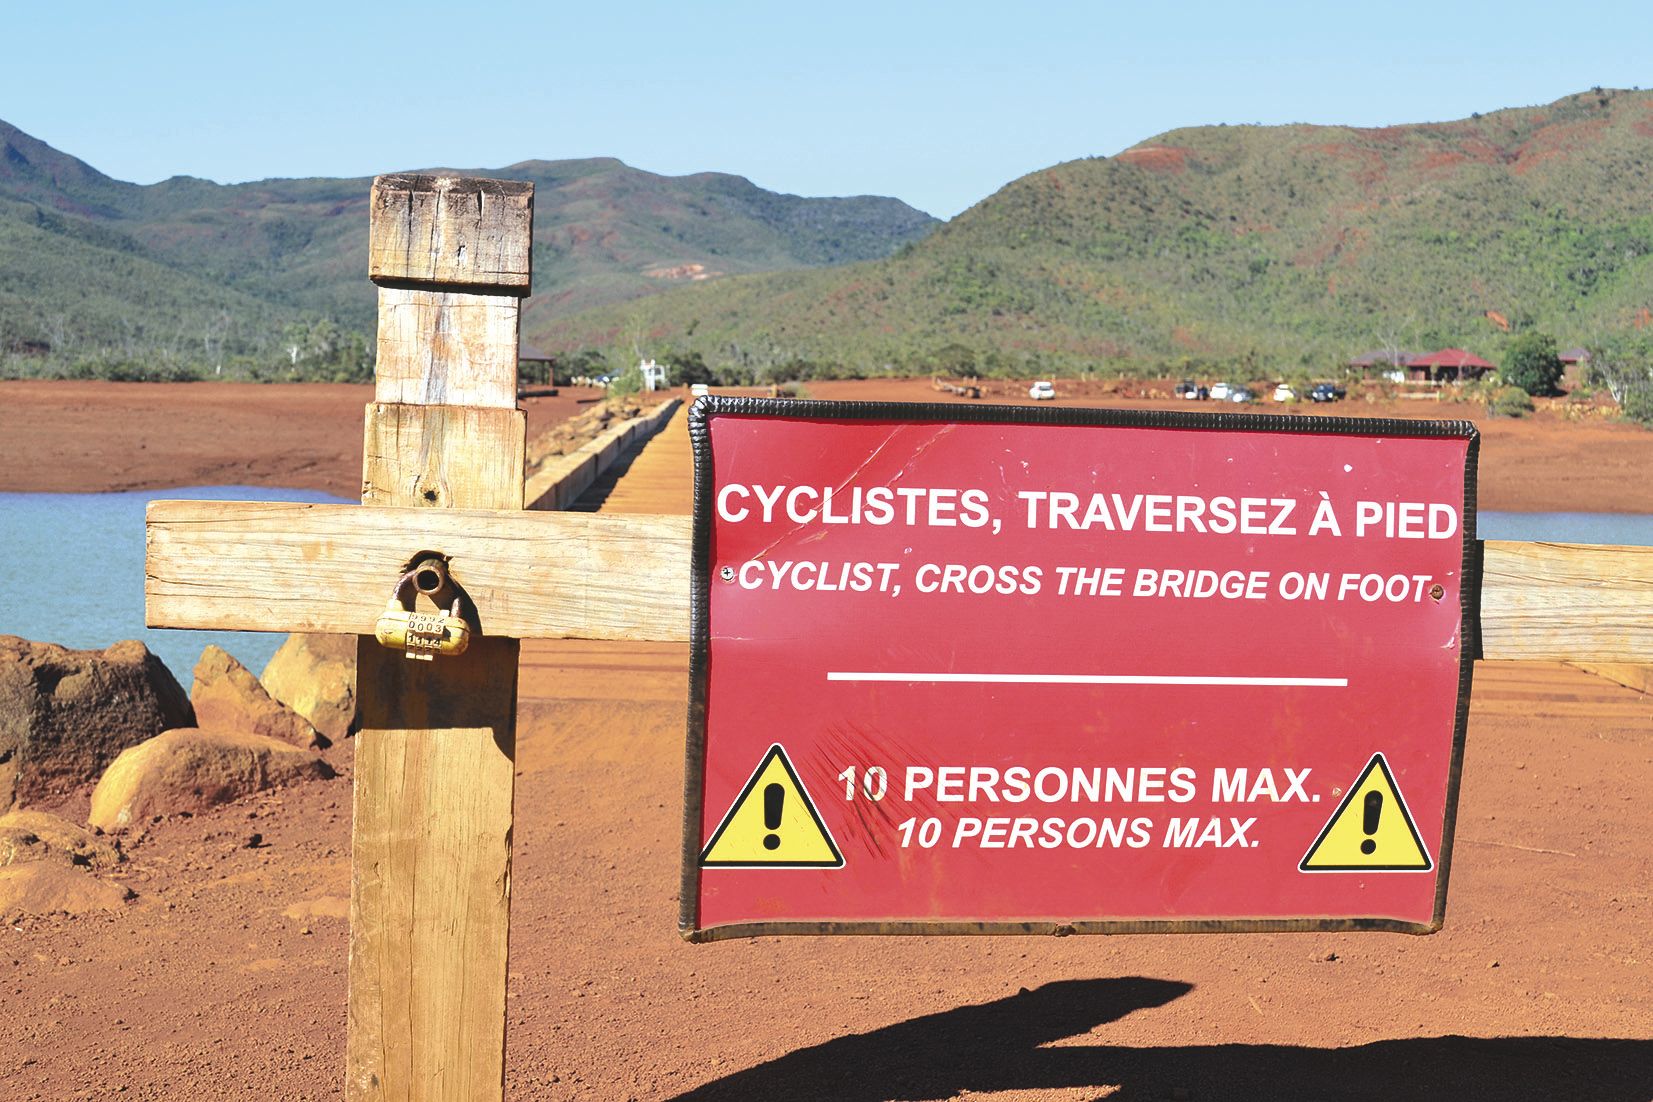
pixel 1012 670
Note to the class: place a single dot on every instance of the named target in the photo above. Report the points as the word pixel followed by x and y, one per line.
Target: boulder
pixel 227 697
pixel 193 769
pixel 43 888
pixel 315 676
pixel 65 714
pixel 39 836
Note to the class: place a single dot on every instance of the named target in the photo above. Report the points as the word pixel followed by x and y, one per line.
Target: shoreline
pixel 100 437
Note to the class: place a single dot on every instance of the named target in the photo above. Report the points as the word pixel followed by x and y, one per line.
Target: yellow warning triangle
pixel 1371 830
pixel 772 824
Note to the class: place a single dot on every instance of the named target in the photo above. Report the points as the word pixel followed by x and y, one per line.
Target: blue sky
pixel 937 104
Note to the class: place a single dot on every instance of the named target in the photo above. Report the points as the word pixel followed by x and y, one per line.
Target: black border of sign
pixel 699 417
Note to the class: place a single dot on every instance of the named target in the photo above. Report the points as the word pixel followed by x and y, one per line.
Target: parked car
pixel 1241 394
pixel 1284 393
pixel 1327 392
pixel 1191 391
pixel 1221 391
pixel 1041 389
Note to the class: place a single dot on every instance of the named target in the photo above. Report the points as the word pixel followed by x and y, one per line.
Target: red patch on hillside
pixel 1483 152
pixel 690 272
pixel 1643 128
pixel 1557 141
pixel 1157 158
pixel 1444 158
pixel 1368 165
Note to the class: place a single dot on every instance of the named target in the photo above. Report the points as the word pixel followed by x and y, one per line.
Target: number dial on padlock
pixel 422 635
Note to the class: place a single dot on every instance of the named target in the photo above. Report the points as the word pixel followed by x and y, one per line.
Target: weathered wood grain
pixel 1561 601
pixel 276 566
pixel 450 348
pixel 435 765
pixel 432 455
pixel 431 874
pixel 455 230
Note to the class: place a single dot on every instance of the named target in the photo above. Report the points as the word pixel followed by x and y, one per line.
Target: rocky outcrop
pixel 194 769
pixel 38 836
pixel 315 676
pixel 227 697
pixel 566 437
pixel 65 714
pixel 44 888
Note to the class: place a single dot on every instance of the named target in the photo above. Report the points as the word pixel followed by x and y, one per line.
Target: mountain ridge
pixel 1300 244
pixel 242 266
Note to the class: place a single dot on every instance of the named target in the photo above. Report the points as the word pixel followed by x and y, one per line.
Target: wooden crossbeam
pixel 279 566
pixel 573 575
pixel 1564 601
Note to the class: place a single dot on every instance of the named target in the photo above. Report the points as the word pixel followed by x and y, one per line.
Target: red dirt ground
pixel 85 437
pixel 73 436
pixel 225 978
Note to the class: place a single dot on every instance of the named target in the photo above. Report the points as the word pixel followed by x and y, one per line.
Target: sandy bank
pixel 71 437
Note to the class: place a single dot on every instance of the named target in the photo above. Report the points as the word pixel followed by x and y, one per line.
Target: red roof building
pixel 1449 365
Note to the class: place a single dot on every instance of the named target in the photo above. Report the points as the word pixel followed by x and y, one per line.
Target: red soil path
pixel 1540 987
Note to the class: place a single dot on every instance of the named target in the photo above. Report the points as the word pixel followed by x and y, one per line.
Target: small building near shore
pixel 1381 360
pixel 1573 363
pixel 531 362
pixel 1449 365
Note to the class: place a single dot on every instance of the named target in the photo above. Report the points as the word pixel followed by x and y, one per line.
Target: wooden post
pixel 430 893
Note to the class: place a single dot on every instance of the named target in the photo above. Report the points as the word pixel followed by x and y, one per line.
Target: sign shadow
pixel 996 1046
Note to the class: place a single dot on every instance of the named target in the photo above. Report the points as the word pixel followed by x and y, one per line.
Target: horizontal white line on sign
pixel 1091 679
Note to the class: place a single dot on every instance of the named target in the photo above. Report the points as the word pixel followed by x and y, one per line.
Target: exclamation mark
pixel 774 798
pixel 1373 810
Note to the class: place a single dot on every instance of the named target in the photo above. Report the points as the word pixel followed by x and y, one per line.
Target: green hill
pixel 1285 245
pixel 191 272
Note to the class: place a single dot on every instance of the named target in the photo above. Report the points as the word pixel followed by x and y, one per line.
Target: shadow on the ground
pixel 591 500
pixel 995 1047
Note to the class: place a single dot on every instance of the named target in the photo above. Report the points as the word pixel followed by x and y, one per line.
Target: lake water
pixel 75 573
pixel 75 566
pixel 1626 529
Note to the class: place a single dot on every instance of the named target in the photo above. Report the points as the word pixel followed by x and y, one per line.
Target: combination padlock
pixel 421 635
